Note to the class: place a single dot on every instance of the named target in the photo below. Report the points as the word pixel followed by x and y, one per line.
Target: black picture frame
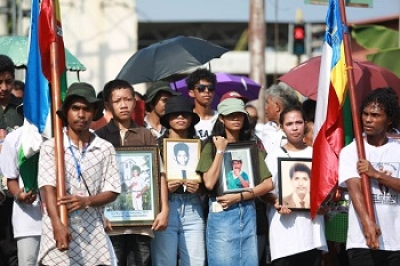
pixel 230 182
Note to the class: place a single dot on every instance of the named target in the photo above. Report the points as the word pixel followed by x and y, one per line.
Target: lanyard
pixel 285 151
pixel 77 163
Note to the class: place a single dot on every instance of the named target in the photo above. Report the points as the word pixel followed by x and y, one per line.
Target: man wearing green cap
pixel 91 179
pixel 156 97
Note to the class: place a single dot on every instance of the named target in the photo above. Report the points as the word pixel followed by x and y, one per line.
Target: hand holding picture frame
pixel 294 176
pixel 139 201
pixel 180 159
pixel 239 171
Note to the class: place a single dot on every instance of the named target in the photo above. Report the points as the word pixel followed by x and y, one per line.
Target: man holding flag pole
pixel 378 112
pixel 370 243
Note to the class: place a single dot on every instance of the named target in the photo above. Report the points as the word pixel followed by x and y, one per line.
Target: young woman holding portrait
pixel 231 227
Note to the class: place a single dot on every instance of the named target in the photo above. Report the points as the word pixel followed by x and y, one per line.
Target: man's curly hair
pixel 200 74
pixel 388 100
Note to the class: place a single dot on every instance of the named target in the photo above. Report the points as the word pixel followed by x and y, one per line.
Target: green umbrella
pixel 16 47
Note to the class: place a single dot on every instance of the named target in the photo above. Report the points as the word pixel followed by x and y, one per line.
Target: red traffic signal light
pixel 299 32
pixel 299 35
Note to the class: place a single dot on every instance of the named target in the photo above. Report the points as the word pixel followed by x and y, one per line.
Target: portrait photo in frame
pixel 294 183
pixel 139 201
pixel 239 171
pixel 180 159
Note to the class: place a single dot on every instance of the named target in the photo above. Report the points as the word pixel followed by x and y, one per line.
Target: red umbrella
pixel 368 76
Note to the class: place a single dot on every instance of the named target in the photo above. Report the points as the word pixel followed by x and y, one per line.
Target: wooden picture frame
pixel 294 176
pixel 181 157
pixel 244 158
pixel 139 201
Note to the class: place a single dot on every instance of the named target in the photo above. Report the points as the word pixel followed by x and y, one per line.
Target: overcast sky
pixel 238 10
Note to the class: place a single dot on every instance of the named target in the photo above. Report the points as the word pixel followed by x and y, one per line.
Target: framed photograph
pixel 180 159
pixel 294 182
pixel 239 171
pixel 139 201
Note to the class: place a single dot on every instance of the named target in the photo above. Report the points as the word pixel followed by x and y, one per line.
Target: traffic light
pixel 299 35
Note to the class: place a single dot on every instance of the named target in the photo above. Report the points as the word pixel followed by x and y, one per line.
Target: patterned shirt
pixel 100 171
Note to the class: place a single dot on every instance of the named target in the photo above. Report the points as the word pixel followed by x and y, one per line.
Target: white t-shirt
pixel 385 200
pixel 26 218
pixel 204 127
pixel 293 233
pixel 272 136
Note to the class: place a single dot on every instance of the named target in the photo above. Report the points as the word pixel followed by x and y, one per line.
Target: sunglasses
pixel 176 115
pixel 203 87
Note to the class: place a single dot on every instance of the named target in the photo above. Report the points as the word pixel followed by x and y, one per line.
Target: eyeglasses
pixel 202 87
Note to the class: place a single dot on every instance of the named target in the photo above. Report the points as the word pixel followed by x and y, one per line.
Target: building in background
pixel 103 34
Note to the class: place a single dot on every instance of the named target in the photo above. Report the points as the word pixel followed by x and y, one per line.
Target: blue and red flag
pixel 329 123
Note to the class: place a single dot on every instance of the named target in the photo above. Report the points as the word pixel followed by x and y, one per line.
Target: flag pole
pixel 365 185
pixel 57 123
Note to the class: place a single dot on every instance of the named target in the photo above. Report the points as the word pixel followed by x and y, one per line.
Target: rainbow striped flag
pixel 37 102
pixel 329 122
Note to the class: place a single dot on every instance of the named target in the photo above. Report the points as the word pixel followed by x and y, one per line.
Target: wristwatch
pixel 220 152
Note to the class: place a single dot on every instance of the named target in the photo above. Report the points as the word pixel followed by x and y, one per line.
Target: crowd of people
pixel 251 222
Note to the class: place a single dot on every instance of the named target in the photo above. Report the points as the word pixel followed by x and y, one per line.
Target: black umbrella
pixel 165 58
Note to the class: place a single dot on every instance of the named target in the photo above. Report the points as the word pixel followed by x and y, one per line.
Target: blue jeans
pixel 185 233
pixel 231 235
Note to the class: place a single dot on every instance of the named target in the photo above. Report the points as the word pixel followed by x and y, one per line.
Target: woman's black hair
pixel 289 109
pixel 245 133
pixel 160 140
pixel 191 130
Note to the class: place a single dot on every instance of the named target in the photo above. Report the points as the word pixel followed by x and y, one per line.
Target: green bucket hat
pixel 231 105
pixel 86 91
pixel 157 87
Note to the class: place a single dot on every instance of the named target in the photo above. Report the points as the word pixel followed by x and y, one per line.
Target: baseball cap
pixel 234 94
pixel 231 105
pixel 236 157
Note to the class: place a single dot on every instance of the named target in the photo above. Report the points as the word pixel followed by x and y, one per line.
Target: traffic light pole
pixel 298 59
